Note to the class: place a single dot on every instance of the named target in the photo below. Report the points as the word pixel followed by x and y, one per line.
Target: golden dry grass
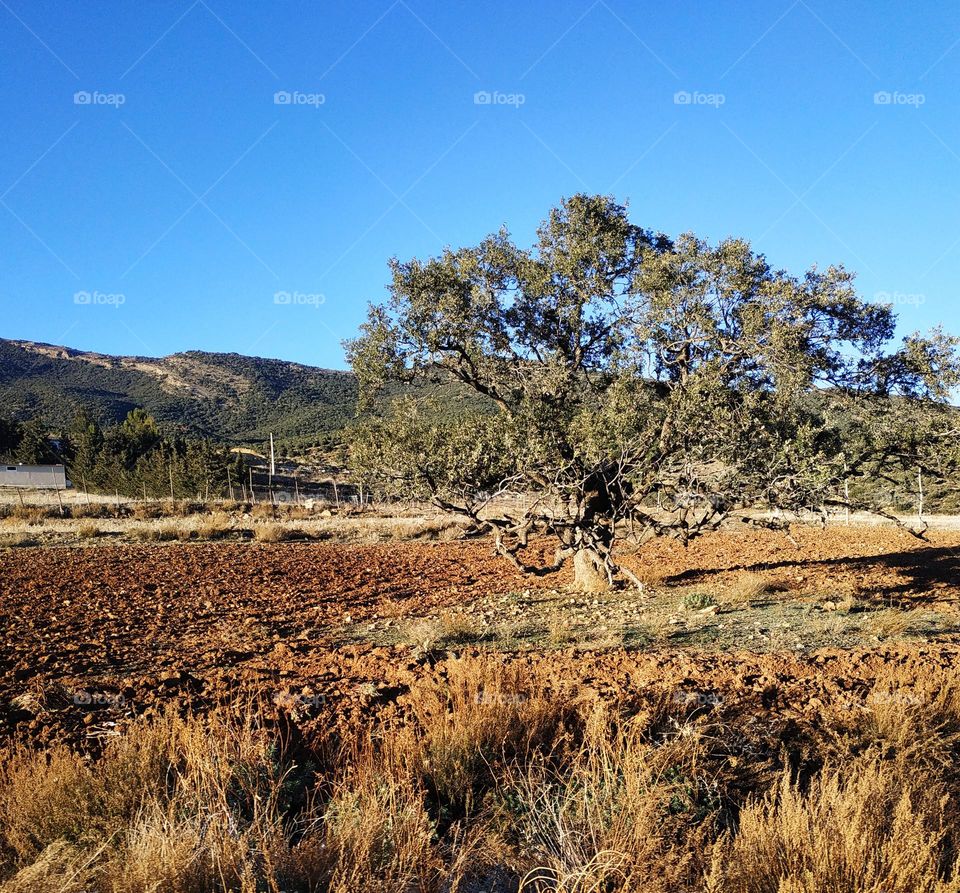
pixel 750 586
pixel 270 532
pixel 858 827
pixel 88 530
pixel 494 783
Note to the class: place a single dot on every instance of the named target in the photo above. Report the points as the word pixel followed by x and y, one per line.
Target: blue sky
pixel 169 210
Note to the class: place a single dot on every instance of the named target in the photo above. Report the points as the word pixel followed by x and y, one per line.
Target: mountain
pixel 227 397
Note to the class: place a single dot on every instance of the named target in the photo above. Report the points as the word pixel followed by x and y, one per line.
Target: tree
pixel 35 447
pixel 85 441
pixel 636 385
pixel 10 436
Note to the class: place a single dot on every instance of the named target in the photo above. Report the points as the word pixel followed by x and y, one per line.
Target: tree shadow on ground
pixel 921 573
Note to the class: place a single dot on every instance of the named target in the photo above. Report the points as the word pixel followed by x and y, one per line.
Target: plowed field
pixel 93 635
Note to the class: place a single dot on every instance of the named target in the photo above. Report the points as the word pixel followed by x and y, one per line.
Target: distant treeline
pixel 133 458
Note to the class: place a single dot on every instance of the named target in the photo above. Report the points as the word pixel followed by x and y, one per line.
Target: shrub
pixel 697 601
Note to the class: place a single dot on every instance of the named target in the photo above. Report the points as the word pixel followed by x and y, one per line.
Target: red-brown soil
pixel 135 626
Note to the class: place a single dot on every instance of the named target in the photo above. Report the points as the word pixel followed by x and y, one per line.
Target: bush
pixel 697 601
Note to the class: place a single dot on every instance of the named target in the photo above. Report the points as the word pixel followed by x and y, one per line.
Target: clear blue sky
pixel 199 198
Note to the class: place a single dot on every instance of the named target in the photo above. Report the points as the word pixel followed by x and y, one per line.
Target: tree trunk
pixel 589 573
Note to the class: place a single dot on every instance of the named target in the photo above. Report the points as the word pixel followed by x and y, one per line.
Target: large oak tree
pixel 634 385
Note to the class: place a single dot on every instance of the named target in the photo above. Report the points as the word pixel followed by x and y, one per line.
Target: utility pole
pixel 272 469
pixel 920 488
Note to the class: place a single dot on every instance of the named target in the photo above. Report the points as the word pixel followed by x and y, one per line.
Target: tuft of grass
pixel 482 717
pixel 88 530
pixel 175 804
pixel 560 633
pixel 29 514
pixel 604 821
pixel 751 587
pixel 214 526
pixel 17 540
pixel 449 630
pixel 376 826
pixel 165 531
pixel 893 623
pixel 147 511
pixel 275 533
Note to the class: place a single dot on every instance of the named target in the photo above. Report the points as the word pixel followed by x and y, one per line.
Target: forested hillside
pixel 227 397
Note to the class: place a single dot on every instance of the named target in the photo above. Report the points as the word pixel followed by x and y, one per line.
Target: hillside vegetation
pixel 225 397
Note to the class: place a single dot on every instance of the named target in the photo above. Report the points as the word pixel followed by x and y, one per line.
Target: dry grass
pixel 482 718
pixel 214 526
pixel 493 782
pixel 560 633
pixel 604 821
pixel 162 532
pixel 276 533
pixel 377 832
pixel 449 630
pixel 751 587
pixel 88 530
pixel 882 814
pixel 863 826
pixel 894 623
pixel 147 511
pixel 177 805
pixel 16 540
pixel 28 514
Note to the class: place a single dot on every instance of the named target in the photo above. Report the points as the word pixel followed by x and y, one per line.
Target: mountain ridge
pixel 226 396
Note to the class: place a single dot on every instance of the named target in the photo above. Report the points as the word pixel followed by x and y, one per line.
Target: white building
pixel 35 477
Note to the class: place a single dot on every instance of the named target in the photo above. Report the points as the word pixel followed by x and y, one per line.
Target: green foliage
pixel 225 397
pixel 34 446
pixel 629 370
pixel 222 396
pixel 425 454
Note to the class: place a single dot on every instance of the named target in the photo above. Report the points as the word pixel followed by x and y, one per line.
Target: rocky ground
pixel 330 635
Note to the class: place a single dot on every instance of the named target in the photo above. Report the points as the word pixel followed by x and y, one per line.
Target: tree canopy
pixel 639 385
